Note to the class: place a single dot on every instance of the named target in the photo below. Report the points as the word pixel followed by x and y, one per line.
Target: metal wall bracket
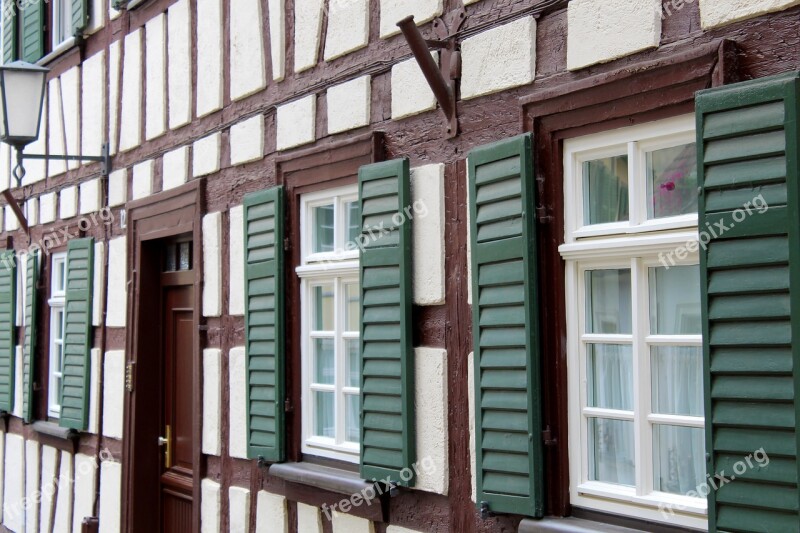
pixel 442 78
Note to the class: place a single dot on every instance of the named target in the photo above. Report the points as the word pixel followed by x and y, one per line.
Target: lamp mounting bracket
pixel 104 159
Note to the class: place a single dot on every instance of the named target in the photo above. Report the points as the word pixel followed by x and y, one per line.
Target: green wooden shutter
pixel 77 334
pixel 9 32
pixel 80 16
pixel 29 345
pixel 505 327
pixel 387 355
pixel 747 137
pixel 264 324
pixel 33 31
pixel 8 320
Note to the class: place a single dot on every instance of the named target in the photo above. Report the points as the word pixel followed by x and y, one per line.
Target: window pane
pixel 352 308
pixel 605 190
pixel 62 275
pixel 323 229
pixel 60 325
pixel 611 451
pixel 170 259
pixel 672 181
pixel 352 424
pixel 608 301
pixel 679 456
pixel 353 222
pixel 185 256
pixel 677 375
pixel 323 308
pixel 324 425
pixel 353 363
pixel 610 369
pixel 675 301
pixel 324 362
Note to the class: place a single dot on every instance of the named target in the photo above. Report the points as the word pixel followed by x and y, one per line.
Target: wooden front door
pixel 176 441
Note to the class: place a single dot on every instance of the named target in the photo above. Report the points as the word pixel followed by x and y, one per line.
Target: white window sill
pixel 58 51
pixel 326 447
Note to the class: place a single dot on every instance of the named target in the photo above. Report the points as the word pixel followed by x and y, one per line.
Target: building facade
pixel 540 281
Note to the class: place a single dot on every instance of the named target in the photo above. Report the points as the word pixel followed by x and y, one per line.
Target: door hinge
pixel 287 406
pixel 541 215
pixel 547 436
pixel 286 244
pixel 129 377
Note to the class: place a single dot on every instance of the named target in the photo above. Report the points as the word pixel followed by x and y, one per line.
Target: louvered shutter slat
pixel 747 137
pixel 10 36
pixel 506 328
pixel 387 365
pixel 77 334
pixel 8 319
pixel 33 31
pixel 80 16
pixel 29 345
pixel 264 324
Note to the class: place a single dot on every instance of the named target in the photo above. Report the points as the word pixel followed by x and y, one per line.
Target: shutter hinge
pixel 485 511
pixel 286 243
pixel 287 406
pixel 547 436
pixel 541 215
pixel 129 377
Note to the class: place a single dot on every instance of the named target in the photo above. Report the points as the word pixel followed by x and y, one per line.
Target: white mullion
pixel 677 420
pixel 641 387
pixel 611 414
pixel 321 387
pixel 322 334
pixel 578 283
pixel 606 338
pixel 674 340
pixel 636 196
pixel 647 380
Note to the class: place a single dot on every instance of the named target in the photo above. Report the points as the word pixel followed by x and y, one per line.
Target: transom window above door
pixel 632 180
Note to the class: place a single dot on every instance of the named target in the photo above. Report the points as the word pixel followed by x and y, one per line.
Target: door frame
pixel 160 216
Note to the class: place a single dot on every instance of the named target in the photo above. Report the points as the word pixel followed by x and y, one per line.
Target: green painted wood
pixel 77 335
pixel 747 137
pixel 29 344
pixel 33 21
pixel 10 36
pixel 8 319
pixel 506 328
pixel 80 16
pixel 265 324
pixel 388 448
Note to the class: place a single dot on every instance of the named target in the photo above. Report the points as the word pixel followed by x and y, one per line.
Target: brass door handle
pixel 166 442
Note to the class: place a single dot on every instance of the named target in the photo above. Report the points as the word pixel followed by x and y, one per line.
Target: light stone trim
pixel 212 265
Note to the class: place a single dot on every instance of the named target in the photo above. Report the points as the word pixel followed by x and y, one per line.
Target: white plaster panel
pixel 85 489
pixel 345 523
pixel 430 383
pixel 271 513
pixel 393 12
pixel 175 168
pixel 114 58
pixel 209 56
pixel 47 208
pixel 349 105
pixel 601 32
pixel 113 394
pixel 55 131
pixel 499 59
pixel 307 30
pixel 237 406
pixel 714 13
pixel 118 187
pixel 236 260
pixel 98 291
pixel 130 126
pixel 142 180
pixel 308 519
pixel 97 17
pixel 14 482
pixel 63 518
pixel 212 392
pixel 31 209
pixel 348 27
pixel 247 140
pixel 471 400
pixel 70 91
pixel 401 529
pixel 155 122
pixel 110 496
pixel 11 222
pixel 212 264
pixel 117 300
pixel 427 193
pixel 5 166
pixel 239 510
pixel 68 202
pixel 32 487
pixel 205 155
pixel 36 169
pixel 247 62
pixel 277 38
pixel 93 425
pixel 411 93
pixel 209 506
pixel 297 123
pixel 93 104
pixel 91 193
pixel 49 473
pixel 179 63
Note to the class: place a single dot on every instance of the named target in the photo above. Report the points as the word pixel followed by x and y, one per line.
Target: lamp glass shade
pixel 22 88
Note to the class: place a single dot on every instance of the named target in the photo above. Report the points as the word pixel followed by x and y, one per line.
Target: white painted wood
pixel 130 126
pixel 209 507
pixel 85 489
pixel 142 186
pixel 91 193
pixel 427 225
pixel 93 104
pixel 349 105
pixel 348 27
pixel 237 404
pixel 118 187
pixel 117 299
pixel 47 208
pixel 393 12
pixel 209 56
pixel 68 202
pixel 205 155
pixel 32 487
pixel 212 394
pixel 430 387
pixel 179 54
pixel 93 425
pixel 271 513
pixel 239 510
pixel 307 31
pixel 11 222
pixel 14 482
pixel 411 93
pixel 110 496
pixel 277 37
pixel 247 61
pixel 155 120
pixel 175 168
pixel 212 264
pixel 113 394
pixel 247 140
pixel 49 487
pixel 63 518
pixel 114 59
pixel 308 519
pixel 236 304
pixel 297 122
pixel 31 210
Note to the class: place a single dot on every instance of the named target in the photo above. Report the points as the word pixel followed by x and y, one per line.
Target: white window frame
pixel 61 34
pixel 638 245
pixel 339 267
pixel 57 303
